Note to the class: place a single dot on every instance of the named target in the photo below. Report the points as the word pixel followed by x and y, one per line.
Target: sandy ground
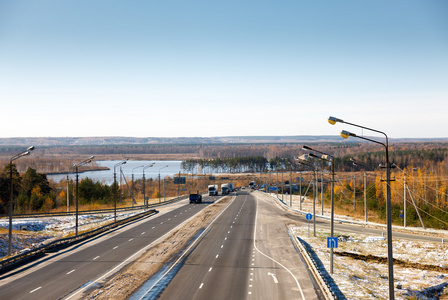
pixel 124 283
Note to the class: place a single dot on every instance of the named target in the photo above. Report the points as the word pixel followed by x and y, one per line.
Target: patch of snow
pixel 357 279
pixel 33 232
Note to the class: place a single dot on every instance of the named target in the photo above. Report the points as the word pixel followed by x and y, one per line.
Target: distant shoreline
pixel 81 171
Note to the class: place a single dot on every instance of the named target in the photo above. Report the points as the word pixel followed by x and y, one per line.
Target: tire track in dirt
pixel 383 260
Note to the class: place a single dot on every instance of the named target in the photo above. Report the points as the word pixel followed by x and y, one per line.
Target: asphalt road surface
pixel 246 254
pixel 67 273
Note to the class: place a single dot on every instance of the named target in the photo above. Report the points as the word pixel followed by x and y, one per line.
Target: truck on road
pixel 213 190
pixel 225 189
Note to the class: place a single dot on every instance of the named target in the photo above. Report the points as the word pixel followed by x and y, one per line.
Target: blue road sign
pixel 332 242
pixel 272 188
pixel 309 217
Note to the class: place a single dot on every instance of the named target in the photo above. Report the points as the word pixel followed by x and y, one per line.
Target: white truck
pixel 213 190
pixel 225 188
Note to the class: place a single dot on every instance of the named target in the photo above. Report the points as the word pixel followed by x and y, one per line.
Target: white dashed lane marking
pixel 35 290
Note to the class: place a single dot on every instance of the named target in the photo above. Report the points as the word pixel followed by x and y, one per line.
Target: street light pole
pixel 300 160
pixel 159 180
pixel 133 188
pixel 17 156
pixel 84 162
pixel 356 163
pixel 346 134
pixel 144 185
pixel 115 188
pixel 329 158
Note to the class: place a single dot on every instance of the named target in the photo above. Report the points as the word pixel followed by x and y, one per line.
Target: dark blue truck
pixel 195 198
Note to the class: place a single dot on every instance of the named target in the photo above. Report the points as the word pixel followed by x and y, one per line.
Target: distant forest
pixel 424 164
pixel 50 159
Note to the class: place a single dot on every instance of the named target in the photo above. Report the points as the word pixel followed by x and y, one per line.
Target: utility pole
pixel 300 192
pixel 283 183
pixel 68 194
pixel 290 186
pixel 354 191
pixel 365 196
pixel 322 189
pixel 404 201
pixel 178 187
pixel 314 203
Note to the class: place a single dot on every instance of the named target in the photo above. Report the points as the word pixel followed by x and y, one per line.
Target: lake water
pixel 131 166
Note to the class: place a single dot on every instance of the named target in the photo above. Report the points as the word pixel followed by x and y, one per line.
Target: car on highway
pixel 195 198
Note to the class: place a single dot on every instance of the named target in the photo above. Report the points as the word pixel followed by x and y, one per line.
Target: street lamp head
pixel 302 157
pixel 327 157
pixel 306 148
pixel 137 167
pixel 313 155
pixel 26 153
pixel 31 148
pixel 333 120
pixel 345 134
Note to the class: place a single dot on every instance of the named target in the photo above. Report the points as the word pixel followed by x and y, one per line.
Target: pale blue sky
pixel 222 68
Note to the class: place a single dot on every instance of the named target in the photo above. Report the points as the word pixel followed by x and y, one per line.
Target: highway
pixel 69 272
pixel 244 255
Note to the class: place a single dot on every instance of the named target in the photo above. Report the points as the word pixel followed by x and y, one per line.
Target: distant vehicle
pixel 231 187
pixel 225 188
pixel 213 190
pixel 243 187
pixel 195 198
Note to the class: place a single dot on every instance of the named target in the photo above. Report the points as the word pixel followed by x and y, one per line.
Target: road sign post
pixel 332 242
pixel 309 217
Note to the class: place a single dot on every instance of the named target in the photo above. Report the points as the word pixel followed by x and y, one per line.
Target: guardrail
pixel 325 287
pixel 19 259
pixel 93 212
